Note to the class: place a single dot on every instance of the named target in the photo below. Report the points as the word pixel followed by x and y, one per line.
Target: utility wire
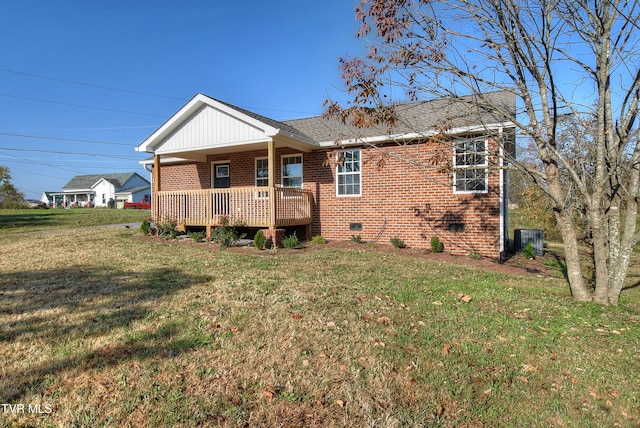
pixel 89 84
pixel 80 105
pixel 104 128
pixel 65 139
pixel 250 108
pixel 67 153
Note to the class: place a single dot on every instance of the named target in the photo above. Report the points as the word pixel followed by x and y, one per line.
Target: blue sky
pixel 108 73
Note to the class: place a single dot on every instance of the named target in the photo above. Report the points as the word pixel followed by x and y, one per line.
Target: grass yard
pixel 100 327
pixel 30 220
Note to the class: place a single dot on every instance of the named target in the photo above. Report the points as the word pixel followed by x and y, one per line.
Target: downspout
pixel 503 213
pixel 271 150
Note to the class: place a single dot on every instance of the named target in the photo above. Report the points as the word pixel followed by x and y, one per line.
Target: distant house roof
pixel 132 190
pixel 88 181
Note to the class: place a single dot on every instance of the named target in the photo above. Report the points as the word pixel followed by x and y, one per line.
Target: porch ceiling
pixel 200 155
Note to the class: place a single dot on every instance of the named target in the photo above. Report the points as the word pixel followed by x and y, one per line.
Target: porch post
pixel 155 188
pixel 156 173
pixel 272 194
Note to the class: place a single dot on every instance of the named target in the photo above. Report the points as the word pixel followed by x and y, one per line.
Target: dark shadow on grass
pixel 633 285
pixel 31 218
pixel 55 307
pixel 563 266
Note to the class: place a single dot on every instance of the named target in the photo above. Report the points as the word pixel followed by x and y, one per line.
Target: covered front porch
pixel 260 207
pixel 208 132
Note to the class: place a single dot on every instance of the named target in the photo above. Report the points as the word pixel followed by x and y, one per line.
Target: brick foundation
pixel 274 237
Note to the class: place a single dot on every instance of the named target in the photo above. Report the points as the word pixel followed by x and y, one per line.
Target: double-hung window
pixel 470 166
pixel 348 173
pixel 262 172
pixel 262 176
pixel 292 171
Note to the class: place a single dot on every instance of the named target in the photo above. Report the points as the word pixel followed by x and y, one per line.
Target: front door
pixel 221 176
pixel 221 180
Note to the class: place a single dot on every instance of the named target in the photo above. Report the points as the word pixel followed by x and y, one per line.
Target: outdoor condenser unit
pixel 524 236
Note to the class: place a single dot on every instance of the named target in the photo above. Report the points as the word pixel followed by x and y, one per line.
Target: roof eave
pixel 379 139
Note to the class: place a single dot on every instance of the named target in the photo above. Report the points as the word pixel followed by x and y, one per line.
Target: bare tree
pixel 9 196
pixel 560 59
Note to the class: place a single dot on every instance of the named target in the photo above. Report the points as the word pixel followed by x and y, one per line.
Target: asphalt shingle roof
pixel 267 120
pixel 414 117
pixel 134 189
pixel 87 181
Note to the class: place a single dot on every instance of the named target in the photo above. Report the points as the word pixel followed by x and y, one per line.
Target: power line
pixel 65 139
pixel 109 128
pixel 67 153
pixel 110 88
pixel 89 84
pixel 80 105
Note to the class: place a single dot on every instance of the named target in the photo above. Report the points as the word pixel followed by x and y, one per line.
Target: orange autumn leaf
pixel 445 350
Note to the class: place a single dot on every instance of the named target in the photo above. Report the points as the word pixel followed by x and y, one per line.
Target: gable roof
pixel 88 181
pixel 206 124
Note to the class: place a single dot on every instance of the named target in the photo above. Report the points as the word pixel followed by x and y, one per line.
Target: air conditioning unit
pixel 523 236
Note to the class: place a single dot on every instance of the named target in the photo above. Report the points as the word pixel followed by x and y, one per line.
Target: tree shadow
pixel 464 227
pixel 37 217
pixel 54 307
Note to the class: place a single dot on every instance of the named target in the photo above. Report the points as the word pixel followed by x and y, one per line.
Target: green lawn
pixel 30 220
pixel 103 328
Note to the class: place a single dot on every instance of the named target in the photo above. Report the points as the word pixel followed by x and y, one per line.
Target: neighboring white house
pixel 100 190
pixel 133 194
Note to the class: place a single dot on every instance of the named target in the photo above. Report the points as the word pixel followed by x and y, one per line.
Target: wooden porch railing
pixel 246 206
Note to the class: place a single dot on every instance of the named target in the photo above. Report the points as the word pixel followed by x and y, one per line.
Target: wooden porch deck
pixel 243 206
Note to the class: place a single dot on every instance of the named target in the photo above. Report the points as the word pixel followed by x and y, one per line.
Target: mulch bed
pixel 516 264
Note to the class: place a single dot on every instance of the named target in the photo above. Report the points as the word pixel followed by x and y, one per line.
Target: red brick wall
pixel 185 176
pixel 417 202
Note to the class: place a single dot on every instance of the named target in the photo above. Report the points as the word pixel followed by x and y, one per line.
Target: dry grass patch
pixel 112 330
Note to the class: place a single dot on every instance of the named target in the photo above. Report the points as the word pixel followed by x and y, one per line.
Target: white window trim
pixel 485 165
pixel 338 195
pixel 255 170
pixel 260 194
pixel 282 177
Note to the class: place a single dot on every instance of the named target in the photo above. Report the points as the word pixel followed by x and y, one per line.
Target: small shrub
pixel 436 245
pixel 259 241
pixel 356 238
pixel 552 263
pixel 226 236
pixel 318 239
pixel 528 251
pixel 168 229
pixel 291 241
pixel 397 242
pixel 474 255
pixel 145 227
pixel 197 236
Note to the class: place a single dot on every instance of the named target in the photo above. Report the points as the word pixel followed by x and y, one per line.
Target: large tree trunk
pixel 600 257
pixel 572 256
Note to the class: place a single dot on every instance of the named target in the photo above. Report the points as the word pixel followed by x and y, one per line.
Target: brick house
pixel 439 172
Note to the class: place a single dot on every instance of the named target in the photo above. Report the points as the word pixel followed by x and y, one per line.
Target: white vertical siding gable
pixel 210 127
